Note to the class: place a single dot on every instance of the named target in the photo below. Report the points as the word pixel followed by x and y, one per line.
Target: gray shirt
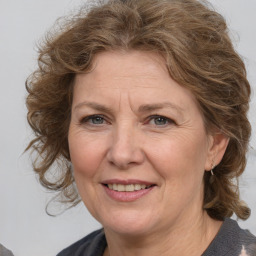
pixel 4 251
pixel 231 240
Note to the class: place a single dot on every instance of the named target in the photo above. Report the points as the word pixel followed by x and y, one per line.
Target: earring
pixel 213 166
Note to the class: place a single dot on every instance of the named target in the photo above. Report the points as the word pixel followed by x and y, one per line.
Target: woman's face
pixel 138 145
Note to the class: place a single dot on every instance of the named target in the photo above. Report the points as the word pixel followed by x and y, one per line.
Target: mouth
pixel 128 187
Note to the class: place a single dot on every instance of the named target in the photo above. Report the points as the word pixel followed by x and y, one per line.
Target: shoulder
pixel 232 240
pixel 93 244
pixel 4 251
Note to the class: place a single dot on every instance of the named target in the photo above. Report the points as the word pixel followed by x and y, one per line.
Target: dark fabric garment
pixel 92 245
pixel 4 251
pixel 231 240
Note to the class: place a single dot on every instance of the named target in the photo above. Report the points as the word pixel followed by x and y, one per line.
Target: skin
pixel 166 145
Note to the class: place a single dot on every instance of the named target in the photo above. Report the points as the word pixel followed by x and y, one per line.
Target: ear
pixel 218 143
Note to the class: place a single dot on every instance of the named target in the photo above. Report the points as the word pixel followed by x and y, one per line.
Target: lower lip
pixel 127 196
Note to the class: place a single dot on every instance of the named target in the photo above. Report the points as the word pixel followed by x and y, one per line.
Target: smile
pixel 128 187
pixel 127 190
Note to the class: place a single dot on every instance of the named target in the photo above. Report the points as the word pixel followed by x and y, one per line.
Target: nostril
pixel 125 157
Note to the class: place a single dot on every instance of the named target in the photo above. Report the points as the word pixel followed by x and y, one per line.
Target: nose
pixel 126 148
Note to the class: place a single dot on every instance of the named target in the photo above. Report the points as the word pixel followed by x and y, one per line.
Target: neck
pixel 191 238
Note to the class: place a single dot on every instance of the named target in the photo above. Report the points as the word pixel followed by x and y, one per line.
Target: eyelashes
pixel 153 120
pixel 159 120
pixel 94 120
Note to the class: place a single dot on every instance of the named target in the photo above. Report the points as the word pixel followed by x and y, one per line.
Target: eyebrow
pixel 154 107
pixel 143 108
pixel 93 105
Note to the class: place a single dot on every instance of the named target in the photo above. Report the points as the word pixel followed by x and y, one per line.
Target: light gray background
pixel 24 226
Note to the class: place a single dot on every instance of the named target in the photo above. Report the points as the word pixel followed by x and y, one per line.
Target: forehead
pixel 142 76
pixel 125 65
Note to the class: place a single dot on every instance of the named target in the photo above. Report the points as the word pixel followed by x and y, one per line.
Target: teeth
pixel 139 187
pixel 127 188
pixel 120 187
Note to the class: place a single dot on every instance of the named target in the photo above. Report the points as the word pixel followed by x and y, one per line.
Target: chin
pixel 130 223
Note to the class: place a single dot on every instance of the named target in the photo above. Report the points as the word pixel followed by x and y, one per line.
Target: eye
pixel 94 120
pixel 157 120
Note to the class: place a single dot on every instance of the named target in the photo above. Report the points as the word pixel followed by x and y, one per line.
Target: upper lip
pixel 127 182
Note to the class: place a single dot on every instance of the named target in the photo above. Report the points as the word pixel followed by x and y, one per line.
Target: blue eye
pixel 97 120
pixel 160 120
pixel 94 120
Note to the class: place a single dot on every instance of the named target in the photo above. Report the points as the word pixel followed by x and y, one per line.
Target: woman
pixel 143 105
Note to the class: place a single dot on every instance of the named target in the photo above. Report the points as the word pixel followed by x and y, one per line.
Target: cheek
pixel 181 167
pixel 86 155
pixel 179 158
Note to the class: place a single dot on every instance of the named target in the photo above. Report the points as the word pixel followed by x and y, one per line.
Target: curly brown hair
pixel 193 39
